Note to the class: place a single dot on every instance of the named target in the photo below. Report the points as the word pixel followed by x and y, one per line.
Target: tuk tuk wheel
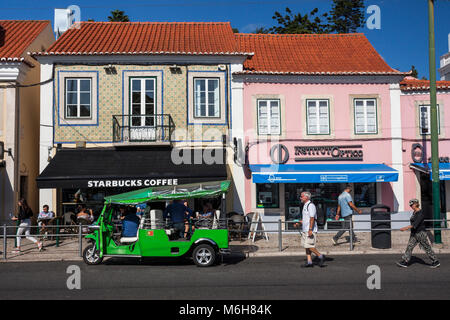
pixel 204 255
pixel 90 256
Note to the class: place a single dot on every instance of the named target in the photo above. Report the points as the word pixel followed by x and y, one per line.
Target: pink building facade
pixel 416 145
pixel 320 112
pixel 295 136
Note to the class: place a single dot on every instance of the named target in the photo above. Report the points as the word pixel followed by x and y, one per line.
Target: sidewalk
pixel 68 249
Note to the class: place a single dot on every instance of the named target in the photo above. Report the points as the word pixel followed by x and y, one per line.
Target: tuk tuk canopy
pixel 195 190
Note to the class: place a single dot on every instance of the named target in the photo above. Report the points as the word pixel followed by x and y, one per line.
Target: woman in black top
pixel 418 236
pixel 24 215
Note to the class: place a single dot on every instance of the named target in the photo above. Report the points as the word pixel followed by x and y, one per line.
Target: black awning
pixel 129 168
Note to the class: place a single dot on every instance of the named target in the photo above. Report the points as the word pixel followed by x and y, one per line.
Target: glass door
pixel 142 109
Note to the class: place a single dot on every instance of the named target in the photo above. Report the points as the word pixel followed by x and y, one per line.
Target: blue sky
pixel 402 40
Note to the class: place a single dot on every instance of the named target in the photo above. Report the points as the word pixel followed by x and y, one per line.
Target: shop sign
pixel 418 154
pixel 329 153
pixel 333 178
pixel 279 154
pixel 131 183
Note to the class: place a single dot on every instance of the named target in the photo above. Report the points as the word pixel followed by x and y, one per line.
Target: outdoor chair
pixel 70 227
pixel 237 225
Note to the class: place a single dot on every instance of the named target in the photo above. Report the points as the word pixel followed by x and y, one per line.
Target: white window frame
pixel 366 131
pixel 217 108
pixel 317 124
pixel 142 99
pixel 428 119
pixel 269 117
pixel 66 91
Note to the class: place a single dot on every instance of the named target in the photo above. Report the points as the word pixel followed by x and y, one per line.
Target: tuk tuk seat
pixel 134 239
pixel 128 239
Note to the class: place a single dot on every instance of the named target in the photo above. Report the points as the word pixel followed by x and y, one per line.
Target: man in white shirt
pixel 309 230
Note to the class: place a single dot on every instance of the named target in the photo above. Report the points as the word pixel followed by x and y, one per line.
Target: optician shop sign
pixel 329 153
pixel 120 183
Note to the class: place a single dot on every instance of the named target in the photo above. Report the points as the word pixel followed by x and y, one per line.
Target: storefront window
pixel 267 195
pixel 365 194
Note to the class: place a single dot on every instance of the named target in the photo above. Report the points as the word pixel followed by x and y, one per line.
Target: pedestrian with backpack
pixel 309 230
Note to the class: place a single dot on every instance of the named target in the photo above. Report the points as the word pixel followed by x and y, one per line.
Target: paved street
pixel 344 277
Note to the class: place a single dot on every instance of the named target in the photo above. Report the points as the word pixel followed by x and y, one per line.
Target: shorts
pixel 308 242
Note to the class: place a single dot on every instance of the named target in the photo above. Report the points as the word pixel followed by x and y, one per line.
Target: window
pixel 317 117
pixel 78 94
pixel 267 195
pixel 142 101
pixel 206 98
pixel 365 194
pixel 365 116
pixel 269 117
pixel 425 119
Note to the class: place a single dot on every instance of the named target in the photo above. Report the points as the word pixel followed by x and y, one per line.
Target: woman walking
pixel 23 217
pixel 418 236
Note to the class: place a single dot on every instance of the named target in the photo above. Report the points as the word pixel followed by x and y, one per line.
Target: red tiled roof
pixel 413 84
pixel 16 36
pixel 106 38
pixel 311 54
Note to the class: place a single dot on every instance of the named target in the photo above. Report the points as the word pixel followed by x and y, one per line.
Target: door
pixel 142 109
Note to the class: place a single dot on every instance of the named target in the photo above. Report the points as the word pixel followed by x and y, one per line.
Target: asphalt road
pixel 274 278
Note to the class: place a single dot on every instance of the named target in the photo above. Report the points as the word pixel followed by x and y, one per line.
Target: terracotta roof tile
pixel 16 36
pixel 146 38
pixel 413 84
pixel 311 54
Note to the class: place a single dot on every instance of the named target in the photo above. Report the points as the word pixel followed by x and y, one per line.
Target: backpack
pixel 320 213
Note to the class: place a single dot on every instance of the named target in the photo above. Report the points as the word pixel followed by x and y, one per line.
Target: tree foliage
pixel 118 16
pixel 414 72
pixel 298 23
pixel 345 16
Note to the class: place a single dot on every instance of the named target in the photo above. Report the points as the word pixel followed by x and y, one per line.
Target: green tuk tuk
pixel 154 236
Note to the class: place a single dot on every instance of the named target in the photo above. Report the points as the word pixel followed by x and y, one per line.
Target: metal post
pixel 280 236
pixel 80 239
pixel 4 242
pixel 351 234
pixel 57 233
pixel 434 125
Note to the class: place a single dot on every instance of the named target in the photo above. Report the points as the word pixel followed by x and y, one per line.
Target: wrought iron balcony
pixel 143 128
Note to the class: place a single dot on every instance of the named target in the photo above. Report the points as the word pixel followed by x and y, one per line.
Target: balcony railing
pixel 143 128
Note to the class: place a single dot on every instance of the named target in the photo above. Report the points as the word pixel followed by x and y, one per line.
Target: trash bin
pixel 381 239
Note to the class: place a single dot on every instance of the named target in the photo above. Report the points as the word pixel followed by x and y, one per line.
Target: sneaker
pixel 435 264
pixel 321 261
pixel 40 246
pixel 15 250
pixel 403 264
pixel 335 243
pixel 307 265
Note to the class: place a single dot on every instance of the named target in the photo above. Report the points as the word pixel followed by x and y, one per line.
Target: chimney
pixel 65 18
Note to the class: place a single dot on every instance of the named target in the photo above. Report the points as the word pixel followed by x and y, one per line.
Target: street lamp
pixel 434 125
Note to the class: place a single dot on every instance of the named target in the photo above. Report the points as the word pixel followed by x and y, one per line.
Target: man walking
pixel 309 230
pixel 345 209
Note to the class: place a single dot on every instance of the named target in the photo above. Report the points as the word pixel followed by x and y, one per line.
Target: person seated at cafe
pixel 130 222
pixel 44 216
pixel 85 214
pixel 177 212
pixel 206 216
